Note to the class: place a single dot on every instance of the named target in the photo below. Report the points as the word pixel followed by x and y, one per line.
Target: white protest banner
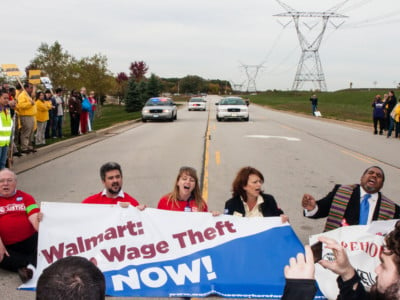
pixel 158 253
pixel 46 82
pixel 363 244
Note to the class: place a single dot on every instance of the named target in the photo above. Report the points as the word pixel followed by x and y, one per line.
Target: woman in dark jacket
pixel 248 199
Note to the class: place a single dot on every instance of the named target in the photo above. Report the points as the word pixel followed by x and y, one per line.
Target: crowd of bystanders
pixel 386 115
pixel 29 117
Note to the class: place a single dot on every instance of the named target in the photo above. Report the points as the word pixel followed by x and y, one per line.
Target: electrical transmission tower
pixel 237 87
pixel 251 72
pixel 309 68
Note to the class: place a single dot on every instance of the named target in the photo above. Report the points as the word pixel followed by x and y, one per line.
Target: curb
pixel 55 150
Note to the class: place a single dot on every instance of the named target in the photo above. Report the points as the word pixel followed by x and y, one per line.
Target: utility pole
pixel 237 87
pixel 251 72
pixel 309 68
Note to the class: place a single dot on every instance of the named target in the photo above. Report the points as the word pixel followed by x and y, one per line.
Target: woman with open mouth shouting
pixel 186 195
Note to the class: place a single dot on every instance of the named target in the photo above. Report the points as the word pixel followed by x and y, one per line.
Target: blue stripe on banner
pixel 248 267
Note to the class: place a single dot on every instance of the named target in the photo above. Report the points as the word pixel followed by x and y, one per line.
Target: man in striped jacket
pixel 356 204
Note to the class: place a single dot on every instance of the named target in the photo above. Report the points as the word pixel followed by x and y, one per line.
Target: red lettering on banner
pixel 191 237
pixel 85 244
pixel 372 249
pixel 145 251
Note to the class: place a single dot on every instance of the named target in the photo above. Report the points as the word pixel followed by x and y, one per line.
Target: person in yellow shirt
pixel 396 117
pixel 26 108
pixel 42 117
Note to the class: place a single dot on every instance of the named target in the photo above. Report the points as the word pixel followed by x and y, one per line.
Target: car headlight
pixel 166 110
pixel 145 111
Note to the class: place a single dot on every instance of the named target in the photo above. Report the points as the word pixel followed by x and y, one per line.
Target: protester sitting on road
pixel 185 195
pixel 356 204
pixel 248 199
pixel 111 177
pixel 19 223
pixel 300 272
pixel 71 278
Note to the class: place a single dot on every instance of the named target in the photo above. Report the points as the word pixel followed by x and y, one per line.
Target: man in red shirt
pixel 19 222
pixel 111 176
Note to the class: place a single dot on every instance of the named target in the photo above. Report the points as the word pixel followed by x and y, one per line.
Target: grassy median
pixel 346 105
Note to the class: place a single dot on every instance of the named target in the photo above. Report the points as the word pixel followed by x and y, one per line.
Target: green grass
pixel 354 105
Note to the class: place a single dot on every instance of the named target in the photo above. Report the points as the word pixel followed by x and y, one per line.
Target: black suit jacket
pixel 352 213
pixel 269 208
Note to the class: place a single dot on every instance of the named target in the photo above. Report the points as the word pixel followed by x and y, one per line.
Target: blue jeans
pixel 57 126
pixel 3 156
pixel 391 125
pixel 314 108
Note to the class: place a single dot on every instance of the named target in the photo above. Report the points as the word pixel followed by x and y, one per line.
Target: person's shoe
pixel 25 274
pixel 26 151
pixel 19 154
pixel 32 150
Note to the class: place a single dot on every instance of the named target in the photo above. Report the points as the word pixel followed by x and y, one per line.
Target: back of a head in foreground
pixel 71 278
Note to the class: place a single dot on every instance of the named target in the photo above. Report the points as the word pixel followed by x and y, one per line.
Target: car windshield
pixel 158 102
pixel 196 100
pixel 232 101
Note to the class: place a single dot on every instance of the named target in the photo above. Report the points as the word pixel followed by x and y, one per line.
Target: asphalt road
pixel 296 154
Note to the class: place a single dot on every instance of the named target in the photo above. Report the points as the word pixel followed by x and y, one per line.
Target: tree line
pixel 133 89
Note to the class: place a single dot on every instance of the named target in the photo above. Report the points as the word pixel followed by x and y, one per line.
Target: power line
pixel 309 68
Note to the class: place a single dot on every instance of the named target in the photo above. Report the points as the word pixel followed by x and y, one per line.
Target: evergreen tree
pixel 132 97
pixel 153 86
pixel 143 92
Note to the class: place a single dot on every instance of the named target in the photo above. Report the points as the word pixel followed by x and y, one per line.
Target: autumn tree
pixel 53 60
pixel 122 82
pixel 138 70
pixel 94 74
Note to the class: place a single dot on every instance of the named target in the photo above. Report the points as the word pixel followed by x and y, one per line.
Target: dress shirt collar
pixel 119 195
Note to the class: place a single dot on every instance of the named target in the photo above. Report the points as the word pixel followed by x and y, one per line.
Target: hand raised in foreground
pixel 301 267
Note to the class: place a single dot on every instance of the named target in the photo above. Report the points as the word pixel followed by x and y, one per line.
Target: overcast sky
pixel 212 38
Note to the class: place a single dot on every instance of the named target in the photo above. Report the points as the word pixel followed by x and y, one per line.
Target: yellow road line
pixel 217 157
pixel 359 156
pixel 206 161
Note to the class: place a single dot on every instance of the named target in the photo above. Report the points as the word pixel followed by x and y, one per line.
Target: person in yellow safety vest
pixel 5 128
